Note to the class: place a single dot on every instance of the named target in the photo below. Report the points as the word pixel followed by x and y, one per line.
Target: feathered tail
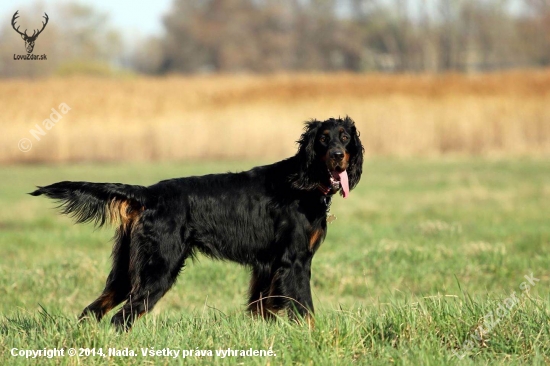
pixel 99 203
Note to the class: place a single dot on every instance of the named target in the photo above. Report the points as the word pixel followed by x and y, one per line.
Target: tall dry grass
pixel 260 117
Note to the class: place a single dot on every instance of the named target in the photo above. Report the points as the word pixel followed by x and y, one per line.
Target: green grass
pixel 420 253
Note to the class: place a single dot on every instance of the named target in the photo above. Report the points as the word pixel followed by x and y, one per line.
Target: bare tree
pixel 323 35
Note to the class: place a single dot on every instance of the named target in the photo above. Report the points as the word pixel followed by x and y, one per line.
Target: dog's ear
pixel 306 151
pixel 355 148
pixel 305 178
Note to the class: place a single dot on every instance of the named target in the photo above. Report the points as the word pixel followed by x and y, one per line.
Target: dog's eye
pixel 344 138
pixel 323 138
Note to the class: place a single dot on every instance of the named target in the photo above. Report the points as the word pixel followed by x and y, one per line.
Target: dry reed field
pixel 236 117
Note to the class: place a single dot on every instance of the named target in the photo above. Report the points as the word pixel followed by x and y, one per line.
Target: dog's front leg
pixel 293 283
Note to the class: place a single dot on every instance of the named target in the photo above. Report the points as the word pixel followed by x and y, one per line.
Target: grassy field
pixel 249 117
pixel 421 255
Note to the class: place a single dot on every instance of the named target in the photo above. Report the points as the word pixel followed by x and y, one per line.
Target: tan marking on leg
pixel 105 302
pixel 314 238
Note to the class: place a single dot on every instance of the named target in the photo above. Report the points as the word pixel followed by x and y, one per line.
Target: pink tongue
pixel 344 183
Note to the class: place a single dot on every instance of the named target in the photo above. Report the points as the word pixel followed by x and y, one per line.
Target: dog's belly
pixel 237 230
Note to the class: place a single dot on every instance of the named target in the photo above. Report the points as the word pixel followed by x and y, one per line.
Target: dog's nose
pixel 337 155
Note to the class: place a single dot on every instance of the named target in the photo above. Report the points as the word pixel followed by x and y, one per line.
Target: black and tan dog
pixel 271 218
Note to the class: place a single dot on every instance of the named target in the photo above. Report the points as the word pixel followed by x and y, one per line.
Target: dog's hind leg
pixel 118 283
pixel 155 263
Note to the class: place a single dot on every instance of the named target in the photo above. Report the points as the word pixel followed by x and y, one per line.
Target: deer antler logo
pixel 29 40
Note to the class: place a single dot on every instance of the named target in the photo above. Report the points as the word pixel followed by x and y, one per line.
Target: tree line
pixel 262 36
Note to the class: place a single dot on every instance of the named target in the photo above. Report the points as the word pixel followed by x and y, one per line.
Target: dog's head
pixel 331 156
